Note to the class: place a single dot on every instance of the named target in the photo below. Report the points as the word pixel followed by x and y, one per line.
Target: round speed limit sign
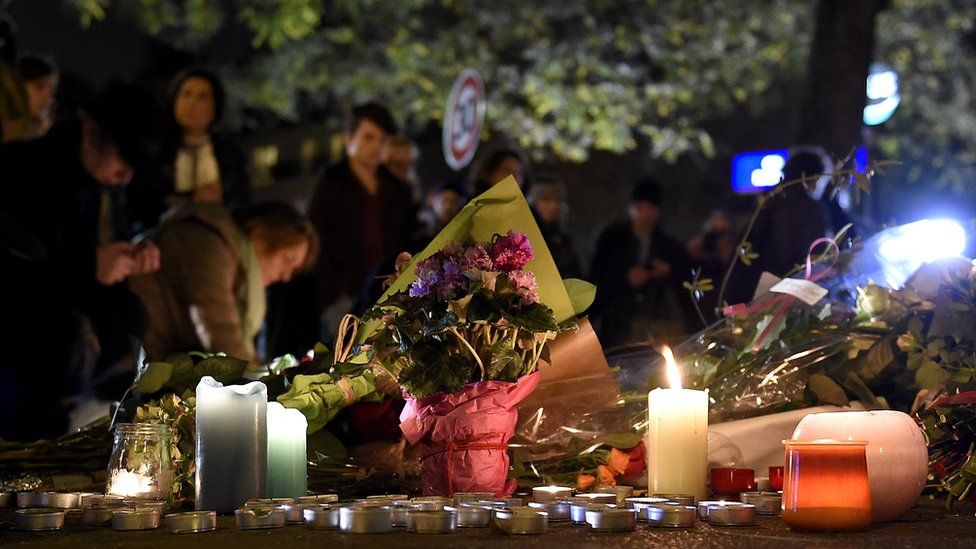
pixel 464 114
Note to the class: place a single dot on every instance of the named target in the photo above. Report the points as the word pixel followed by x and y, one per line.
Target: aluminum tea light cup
pixel 671 516
pixel 705 506
pixel 321 516
pixel 732 515
pixel 641 504
pixel 432 503
pixel 160 506
pixel 400 509
pixel 270 501
pixel 577 510
pixel 100 514
pixel 551 493
pixel 389 497
pixel 101 500
pixel 441 521
pixel 620 492
pixel 680 499
pixel 318 499
pixel 39 519
pixel 521 520
pixel 767 503
pixel 293 511
pixel 366 520
pixel 135 518
pixel 60 500
pixel 611 519
pixel 558 510
pixel 192 522
pixel 473 515
pixel 472 497
pixel 27 500
pixel 260 517
pixel 595 497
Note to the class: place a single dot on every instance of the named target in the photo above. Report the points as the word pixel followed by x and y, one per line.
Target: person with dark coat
pixel 548 202
pixel 785 228
pixel 363 215
pixel 197 164
pixel 64 268
pixel 638 270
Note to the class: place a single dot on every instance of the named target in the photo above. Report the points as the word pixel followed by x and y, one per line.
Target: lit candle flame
pixel 674 375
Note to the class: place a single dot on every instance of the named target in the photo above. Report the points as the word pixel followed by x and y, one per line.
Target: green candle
pixel 287 473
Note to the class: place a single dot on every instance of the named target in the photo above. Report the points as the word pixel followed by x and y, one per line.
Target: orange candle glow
pixel 826 486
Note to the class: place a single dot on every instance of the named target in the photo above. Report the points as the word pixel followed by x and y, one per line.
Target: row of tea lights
pixel 613 511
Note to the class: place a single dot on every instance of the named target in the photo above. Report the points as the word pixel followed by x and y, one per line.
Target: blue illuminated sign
pixel 757 171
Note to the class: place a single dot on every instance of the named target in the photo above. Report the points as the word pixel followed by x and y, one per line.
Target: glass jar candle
pixel 826 486
pixel 141 465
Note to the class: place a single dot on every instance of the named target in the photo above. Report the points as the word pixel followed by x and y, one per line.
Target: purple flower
pixel 525 286
pixel 476 257
pixel 425 284
pixel 512 252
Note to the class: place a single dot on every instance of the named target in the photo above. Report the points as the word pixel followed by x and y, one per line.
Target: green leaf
pixel 827 391
pixel 324 447
pixel 930 376
pixel 622 441
pixel 581 294
pixel 153 377
pixel 225 369
pixel 505 363
pixel 878 357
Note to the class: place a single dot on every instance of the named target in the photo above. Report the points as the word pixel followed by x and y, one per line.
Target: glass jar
pixel 826 486
pixel 141 465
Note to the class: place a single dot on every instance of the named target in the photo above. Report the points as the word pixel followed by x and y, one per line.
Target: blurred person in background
pixel 712 250
pixel 547 198
pixel 787 225
pixel 363 214
pixel 401 156
pixel 638 270
pixel 444 202
pixel 40 77
pixel 77 325
pixel 15 117
pixel 495 167
pixel 198 163
pixel 210 292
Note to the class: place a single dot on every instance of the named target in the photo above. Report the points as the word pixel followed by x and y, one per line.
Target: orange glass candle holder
pixel 826 486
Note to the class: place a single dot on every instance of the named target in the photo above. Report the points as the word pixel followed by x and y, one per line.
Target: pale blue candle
pixel 231 444
pixel 287 465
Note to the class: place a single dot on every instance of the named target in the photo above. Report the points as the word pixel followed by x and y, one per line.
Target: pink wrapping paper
pixel 464 436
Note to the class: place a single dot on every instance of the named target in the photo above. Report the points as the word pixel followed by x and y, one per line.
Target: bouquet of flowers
pixel 463 331
pixel 464 342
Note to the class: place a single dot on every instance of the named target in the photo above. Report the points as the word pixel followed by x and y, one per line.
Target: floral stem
pixel 474 353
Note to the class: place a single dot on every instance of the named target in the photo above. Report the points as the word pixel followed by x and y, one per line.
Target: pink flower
pixel 525 285
pixel 476 257
pixel 512 252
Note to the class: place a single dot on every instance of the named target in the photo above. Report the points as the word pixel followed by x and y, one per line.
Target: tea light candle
pixel 231 444
pixel 287 471
pixel 677 436
pixel 551 493
pixel 128 484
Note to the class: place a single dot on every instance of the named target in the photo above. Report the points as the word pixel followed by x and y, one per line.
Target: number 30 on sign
pixel 464 114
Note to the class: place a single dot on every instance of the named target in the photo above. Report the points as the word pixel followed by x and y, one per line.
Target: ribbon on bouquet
pixel 483 441
pixel 780 302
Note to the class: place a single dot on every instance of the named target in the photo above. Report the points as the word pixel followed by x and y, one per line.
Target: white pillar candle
pixel 677 437
pixel 287 472
pixel 231 444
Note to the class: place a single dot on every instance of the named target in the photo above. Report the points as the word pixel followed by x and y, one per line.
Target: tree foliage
pixel 569 78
